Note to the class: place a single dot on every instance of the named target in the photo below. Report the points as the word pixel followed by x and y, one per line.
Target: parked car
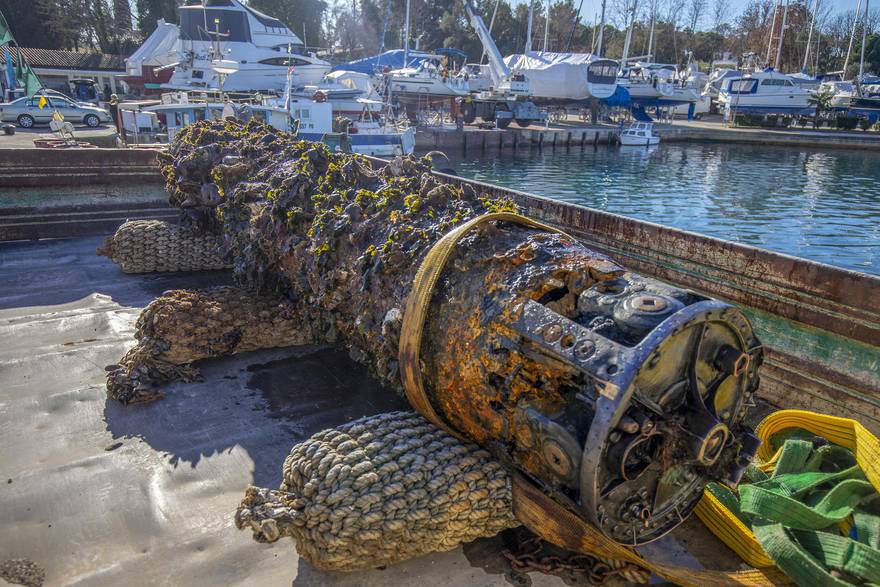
pixel 26 112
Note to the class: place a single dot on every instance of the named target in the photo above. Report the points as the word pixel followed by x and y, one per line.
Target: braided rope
pixel 384 489
pixel 145 246
pixel 183 326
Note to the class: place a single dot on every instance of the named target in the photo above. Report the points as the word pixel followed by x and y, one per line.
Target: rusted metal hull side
pixel 820 324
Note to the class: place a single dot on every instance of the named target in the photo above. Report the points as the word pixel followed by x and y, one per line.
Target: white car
pixel 26 112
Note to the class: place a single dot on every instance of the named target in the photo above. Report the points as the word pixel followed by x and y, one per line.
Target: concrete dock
pixel 575 133
pixel 477 139
pixel 714 130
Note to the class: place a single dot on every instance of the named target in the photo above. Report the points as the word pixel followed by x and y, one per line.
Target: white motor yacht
pixel 262 47
pixel 765 92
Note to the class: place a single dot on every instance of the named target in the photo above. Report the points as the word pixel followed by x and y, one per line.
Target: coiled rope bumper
pixel 145 246
pixel 382 490
pixel 183 326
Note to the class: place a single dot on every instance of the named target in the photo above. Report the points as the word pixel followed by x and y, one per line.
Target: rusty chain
pixel 533 555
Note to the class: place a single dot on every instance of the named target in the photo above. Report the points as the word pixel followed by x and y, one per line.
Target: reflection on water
pixel 823 206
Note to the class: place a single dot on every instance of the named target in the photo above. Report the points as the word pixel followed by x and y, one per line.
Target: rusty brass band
pixel 420 299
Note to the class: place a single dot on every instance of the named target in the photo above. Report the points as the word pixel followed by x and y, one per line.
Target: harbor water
pixel 821 205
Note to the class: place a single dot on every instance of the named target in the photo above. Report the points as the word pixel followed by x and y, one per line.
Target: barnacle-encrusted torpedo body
pixel 617 394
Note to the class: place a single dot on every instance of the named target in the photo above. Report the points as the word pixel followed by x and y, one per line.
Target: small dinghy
pixel 638 134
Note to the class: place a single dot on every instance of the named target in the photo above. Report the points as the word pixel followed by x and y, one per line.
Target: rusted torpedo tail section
pixel 619 395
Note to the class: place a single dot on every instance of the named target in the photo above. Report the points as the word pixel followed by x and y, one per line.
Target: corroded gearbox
pixel 619 395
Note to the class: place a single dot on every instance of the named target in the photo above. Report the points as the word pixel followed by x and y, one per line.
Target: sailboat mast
pixel 651 36
pixel 810 36
pixel 852 35
pixel 781 36
pixel 529 26
pixel 864 37
pixel 629 33
pixel 406 37
pixel 574 24
pixel 546 26
pixel 601 31
pixel 772 30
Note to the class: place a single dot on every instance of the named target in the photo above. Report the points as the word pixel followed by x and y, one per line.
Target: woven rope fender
pixel 384 489
pixel 379 491
pixel 183 326
pixel 146 246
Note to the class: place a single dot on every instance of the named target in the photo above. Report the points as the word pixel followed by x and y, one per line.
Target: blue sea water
pixel 823 205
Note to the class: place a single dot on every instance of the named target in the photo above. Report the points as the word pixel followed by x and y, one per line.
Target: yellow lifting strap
pixel 536 510
pixel 419 301
pixel 841 431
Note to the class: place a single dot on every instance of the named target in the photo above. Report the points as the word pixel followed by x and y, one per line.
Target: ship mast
pixel 781 36
pixel 529 27
pixel 864 37
pixel 601 31
pixel 810 36
pixel 772 30
pixel 546 26
pixel 406 37
pixel 852 35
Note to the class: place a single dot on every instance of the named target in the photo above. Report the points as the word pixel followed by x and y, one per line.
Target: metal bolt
pixel 584 349
pixel 552 333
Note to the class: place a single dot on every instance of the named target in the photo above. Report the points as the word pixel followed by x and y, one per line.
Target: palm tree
pixel 822 102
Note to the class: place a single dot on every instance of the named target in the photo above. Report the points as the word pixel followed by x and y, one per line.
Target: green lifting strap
pixel 796 514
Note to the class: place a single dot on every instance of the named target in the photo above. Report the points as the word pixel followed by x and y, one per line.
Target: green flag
pixel 24 75
pixel 5 33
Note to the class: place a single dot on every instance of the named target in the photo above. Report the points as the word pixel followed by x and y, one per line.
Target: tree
pixel 150 11
pixel 821 101
pixel 695 11
pixel 720 10
pixel 304 17
pixel 25 19
pixel 872 53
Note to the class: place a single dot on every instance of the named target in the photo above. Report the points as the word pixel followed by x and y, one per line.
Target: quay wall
pixel 73 167
pixel 697 132
pixel 477 140
pixel 474 140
